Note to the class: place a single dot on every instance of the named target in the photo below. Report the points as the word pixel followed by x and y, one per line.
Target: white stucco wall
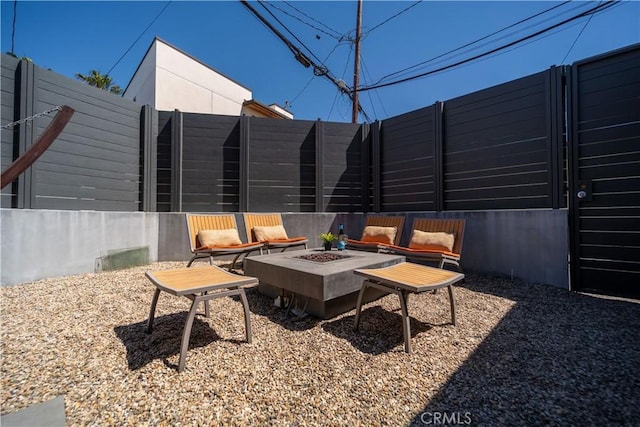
pixel 142 87
pixel 187 85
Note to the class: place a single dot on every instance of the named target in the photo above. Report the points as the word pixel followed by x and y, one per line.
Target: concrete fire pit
pixel 324 287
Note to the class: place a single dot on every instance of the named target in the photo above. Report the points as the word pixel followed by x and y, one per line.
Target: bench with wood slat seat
pixel 199 284
pixel 404 279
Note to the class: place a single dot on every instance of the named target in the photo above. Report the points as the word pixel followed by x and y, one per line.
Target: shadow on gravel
pixel 380 331
pixel 165 339
pixel 556 358
pixel 263 305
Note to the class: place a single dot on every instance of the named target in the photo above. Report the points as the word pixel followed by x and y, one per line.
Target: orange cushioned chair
pixel 217 235
pixel 269 230
pixel 434 240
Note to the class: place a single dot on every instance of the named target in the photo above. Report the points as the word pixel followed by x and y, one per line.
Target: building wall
pixel 142 87
pixel 189 86
pixel 168 79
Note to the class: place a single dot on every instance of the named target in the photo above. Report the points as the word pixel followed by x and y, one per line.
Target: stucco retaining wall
pixel 528 244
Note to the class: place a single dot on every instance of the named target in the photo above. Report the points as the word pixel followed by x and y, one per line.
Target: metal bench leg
pixel 356 321
pixel 247 318
pixel 152 312
pixel 406 327
pixel 452 301
pixel 187 331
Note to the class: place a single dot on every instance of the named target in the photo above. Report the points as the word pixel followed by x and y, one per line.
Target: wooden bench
pixel 404 279
pixel 199 284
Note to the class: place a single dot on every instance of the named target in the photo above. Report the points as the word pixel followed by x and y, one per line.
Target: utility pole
pixel 356 65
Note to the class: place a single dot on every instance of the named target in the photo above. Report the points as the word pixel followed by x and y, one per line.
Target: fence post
pixel 243 166
pixel 149 136
pixel 365 130
pixel 438 156
pixel 555 121
pixel 25 86
pixel 320 206
pixel 176 161
pixel 375 164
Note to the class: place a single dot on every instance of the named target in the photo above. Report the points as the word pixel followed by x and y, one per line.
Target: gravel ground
pixel 521 354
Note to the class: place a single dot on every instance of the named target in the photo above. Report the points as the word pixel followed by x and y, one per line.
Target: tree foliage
pixel 99 80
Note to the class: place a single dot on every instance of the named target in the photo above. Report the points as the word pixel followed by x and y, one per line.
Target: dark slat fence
pixel 408 162
pixel 8 113
pixel 497 145
pixel 605 141
pixel 95 163
pixel 499 148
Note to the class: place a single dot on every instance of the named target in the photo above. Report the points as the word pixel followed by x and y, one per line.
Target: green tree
pixel 101 81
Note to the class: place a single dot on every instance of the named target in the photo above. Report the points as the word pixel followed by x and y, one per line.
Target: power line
pixel 377 93
pixel 312 77
pixel 469 44
pixel 577 37
pixel 288 30
pixel 313 19
pixel 140 36
pixel 301 57
pixel 338 37
pixel 473 58
pixel 391 17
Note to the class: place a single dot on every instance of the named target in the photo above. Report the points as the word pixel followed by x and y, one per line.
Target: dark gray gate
pixel 604 165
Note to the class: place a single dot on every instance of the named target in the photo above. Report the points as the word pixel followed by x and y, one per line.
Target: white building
pixel 170 79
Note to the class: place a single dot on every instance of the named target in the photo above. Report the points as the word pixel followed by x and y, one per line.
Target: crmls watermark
pixel 446 418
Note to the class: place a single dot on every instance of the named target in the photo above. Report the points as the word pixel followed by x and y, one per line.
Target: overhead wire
pixel 140 36
pixel 303 59
pixel 337 37
pixel 593 10
pixel 373 107
pixel 312 77
pixel 469 43
pixel 377 93
pixel 313 19
pixel 577 37
pixel 390 18
pixel 262 3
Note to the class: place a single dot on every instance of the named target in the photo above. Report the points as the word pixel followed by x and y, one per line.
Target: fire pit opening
pixel 323 257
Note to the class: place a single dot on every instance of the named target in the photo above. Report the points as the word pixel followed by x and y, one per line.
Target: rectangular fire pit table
pixel 326 289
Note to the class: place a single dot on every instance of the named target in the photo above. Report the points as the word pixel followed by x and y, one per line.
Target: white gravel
pixel 521 354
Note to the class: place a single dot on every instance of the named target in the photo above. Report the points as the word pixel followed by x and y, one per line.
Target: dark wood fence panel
pixel 210 163
pixel 496 147
pixel 9 67
pixel 606 166
pixel 281 165
pixel 407 161
pixel 342 167
pixel 164 161
pixel 96 161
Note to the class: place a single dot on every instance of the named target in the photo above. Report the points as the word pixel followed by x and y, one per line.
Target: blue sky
pixel 73 36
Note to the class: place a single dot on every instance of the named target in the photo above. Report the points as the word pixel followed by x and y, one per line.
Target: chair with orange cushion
pixel 269 230
pixel 378 233
pixel 217 235
pixel 434 240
